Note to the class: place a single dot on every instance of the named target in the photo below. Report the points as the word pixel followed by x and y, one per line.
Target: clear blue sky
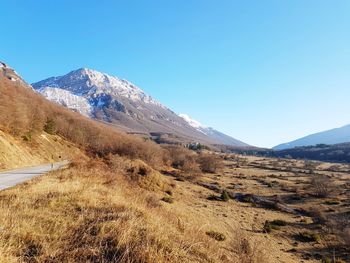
pixel 264 72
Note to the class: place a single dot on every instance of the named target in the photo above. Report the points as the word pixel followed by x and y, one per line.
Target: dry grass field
pixel 121 210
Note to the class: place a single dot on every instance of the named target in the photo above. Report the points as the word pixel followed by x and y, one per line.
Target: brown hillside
pixel 26 115
pixel 43 148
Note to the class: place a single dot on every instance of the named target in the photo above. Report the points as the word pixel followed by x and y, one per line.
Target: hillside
pixel 339 153
pixel 26 116
pixel 43 148
pixel 119 102
pixel 321 152
pixel 99 208
pixel 126 199
pixel 334 136
pixel 22 142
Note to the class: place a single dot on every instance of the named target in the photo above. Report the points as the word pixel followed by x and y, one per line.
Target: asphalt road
pixel 14 177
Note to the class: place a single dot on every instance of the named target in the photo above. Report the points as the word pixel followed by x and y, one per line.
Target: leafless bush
pixel 247 250
pixel 182 158
pixel 310 166
pixel 137 172
pixel 340 226
pixel 345 235
pixel 321 186
pixel 209 163
pixel 318 217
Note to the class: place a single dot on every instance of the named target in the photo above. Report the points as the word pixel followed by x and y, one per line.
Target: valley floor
pixel 93 212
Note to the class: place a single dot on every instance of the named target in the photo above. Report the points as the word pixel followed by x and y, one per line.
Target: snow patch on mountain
pixel 67 99
pixel 86 82
pixel 192 122
pixel 211 132
pixel 196 124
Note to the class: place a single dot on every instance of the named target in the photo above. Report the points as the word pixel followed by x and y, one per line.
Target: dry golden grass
pixel 79 215
pixel 100 211
pixel 44 148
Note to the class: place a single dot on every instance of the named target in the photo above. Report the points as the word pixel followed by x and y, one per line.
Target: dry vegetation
pixel 182 158
pixel 114 207
pixel 25 114
pixel 104 211
pixel 209 163
pixel 135 201
pixel 314 196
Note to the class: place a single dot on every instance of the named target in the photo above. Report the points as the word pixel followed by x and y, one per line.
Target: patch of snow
pixel 192 122
pixel 195 124
pixel 88 83
pixel 67 99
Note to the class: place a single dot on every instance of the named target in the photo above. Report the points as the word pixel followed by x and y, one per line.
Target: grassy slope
pixel 44 148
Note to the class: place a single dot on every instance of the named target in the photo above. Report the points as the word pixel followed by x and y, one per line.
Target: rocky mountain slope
pixel 9 73
pixel 119 102
pixel 212 133
pixel 334 136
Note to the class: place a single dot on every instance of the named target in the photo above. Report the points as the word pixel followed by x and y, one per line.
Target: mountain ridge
pixel 213 133
pixel 332 136
pixel 117 101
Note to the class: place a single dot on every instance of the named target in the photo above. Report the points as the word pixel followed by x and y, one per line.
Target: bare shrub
pixel 321 186
pixel 138 172
pixel 50 126
pixel 182 158
pixel 345 236
pixel 209 163
pixel 152 202
pixel 247 250
pixel 341 227
pixel 310 166
pixel 318 217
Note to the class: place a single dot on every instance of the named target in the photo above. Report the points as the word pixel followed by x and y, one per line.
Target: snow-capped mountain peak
pixel 192 122
pixel 88 82
pixel 111 99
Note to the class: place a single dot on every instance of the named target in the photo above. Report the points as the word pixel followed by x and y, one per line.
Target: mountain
pixel 334 136
pixel 121 103
pixel 9 73
pixel 212 133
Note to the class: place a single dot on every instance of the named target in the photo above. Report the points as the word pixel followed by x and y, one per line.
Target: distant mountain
pixel 212 133
pixel 121 103
pixel 334 136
